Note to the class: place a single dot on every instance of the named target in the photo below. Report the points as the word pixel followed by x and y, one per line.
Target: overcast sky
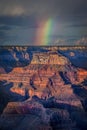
pixel 19 21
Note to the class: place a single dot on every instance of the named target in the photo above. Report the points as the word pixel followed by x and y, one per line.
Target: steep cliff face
pixel 42 82
pixel 11 57
pixel 37 75
pixel 47 75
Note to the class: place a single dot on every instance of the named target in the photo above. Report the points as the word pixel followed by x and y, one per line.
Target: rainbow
pixel 43 32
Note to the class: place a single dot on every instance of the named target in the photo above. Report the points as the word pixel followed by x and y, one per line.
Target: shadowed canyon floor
pixel 41 88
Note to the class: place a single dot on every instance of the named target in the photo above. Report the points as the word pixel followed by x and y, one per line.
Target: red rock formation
pixel 48 75
pixel 42 77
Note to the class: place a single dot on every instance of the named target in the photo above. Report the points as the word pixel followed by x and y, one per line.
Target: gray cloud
pixel 4 27
pixel 45 8
pixel 26 12
pixel 19 19
pixel 78 25
pixel 2 34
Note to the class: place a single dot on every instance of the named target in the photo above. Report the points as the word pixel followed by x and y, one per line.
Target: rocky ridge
pixel 48 88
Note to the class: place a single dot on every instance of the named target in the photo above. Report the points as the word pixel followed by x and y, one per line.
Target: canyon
pixel 41 87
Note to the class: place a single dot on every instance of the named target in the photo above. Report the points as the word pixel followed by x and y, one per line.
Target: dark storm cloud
pixel 78 25
pixel 2 34
pixel 18 21
pixel 5 27
pixel 43 7
pixel 26 12
pixel 3 37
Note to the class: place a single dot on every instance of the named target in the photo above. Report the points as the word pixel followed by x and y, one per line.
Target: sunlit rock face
pixel 48 74
pixel 81 74
pixel 43 77
pixel 45 84
pixel 72 54
pixel 50 58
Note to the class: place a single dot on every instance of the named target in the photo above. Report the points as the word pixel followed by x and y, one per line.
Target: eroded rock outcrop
pixel 49 88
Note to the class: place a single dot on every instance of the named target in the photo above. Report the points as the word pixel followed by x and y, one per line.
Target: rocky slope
pixel 42 87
